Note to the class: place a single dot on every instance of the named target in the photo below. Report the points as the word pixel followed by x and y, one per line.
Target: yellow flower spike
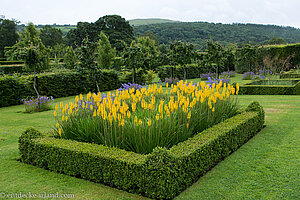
pixel 237 88
pixel 202 85
pixel 157 116
pixel 187 125
pixel 167 85
pixel 189 115
pixel 57 124
pixel 88 96
pixel 213 85
pixel 91 107
pixel 135 119
pixel 140 122
pixel 59 132
pixel 122 122
pixel 128 114
pixel 213 110
pixel 55 114
pixel 83 105
pixel 67 106
pixel 149 122
pixel 81 97
pixel 95 113
pixel 61 105
pixel 77 99
pixel 56 107
pixel 63 118
pixel 66 118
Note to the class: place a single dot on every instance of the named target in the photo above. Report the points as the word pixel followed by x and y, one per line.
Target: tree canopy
pixel 51 36
pixel 115 27
pixel 198 32
pixel 8 35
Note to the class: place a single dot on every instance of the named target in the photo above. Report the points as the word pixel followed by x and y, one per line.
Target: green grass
pixel 267 167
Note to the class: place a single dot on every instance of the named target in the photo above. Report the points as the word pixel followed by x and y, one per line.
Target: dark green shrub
pixel 162 174
pixel 11 62
pixel 13 88
pixel 140 78
pixel 10 69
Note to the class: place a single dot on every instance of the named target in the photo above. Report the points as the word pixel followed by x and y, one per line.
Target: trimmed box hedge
pixel 11 62
pixel 162 174
pixel 15 88
pixel 259 89
pixel 290 75
pixel 10 69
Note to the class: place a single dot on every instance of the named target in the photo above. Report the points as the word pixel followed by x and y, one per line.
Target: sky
pixel 278 12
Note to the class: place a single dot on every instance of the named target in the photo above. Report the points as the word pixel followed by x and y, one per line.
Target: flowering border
pixel 162 174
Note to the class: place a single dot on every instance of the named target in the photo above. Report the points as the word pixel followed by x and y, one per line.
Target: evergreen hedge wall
pixel 15 88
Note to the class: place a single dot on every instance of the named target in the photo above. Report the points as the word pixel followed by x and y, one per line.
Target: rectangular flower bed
pixel 161 174
pixel 272 87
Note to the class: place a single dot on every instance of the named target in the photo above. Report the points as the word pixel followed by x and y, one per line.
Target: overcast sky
pixel 278 12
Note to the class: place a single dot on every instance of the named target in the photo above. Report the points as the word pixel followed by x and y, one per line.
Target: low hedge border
pixel 15 88
pixel 11 62
pixel 270 89
pixel 162 174
pixel 9 69
pixel 290 75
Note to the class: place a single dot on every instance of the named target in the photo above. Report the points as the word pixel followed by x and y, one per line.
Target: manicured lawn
pixel 267 167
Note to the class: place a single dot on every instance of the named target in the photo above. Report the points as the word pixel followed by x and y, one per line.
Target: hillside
pixel 198 32
pixel 139 22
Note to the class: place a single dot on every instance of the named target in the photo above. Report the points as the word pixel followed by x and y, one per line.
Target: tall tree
pixel 181 54
pixel 115 27
pixel 8 35
pixel 31 49
pixel 215 54
pixel 70 58
pixel 133 58
pixel 149 52
pixel 105 52
pixel 87 57
pixel 51 36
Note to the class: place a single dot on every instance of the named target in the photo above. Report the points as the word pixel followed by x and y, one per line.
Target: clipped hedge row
pixel 14 88
pixel 290 75
pixel 162 174
pixel 192 71
pixel 270 89
pixel 140 78
pixel 11 62
pixel 10 69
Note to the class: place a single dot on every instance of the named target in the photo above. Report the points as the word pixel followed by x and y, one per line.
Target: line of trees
pixel 109 43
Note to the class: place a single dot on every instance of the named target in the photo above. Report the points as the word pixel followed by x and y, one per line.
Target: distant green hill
pixel 139 22
pixel 64 28
pixel 198 32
